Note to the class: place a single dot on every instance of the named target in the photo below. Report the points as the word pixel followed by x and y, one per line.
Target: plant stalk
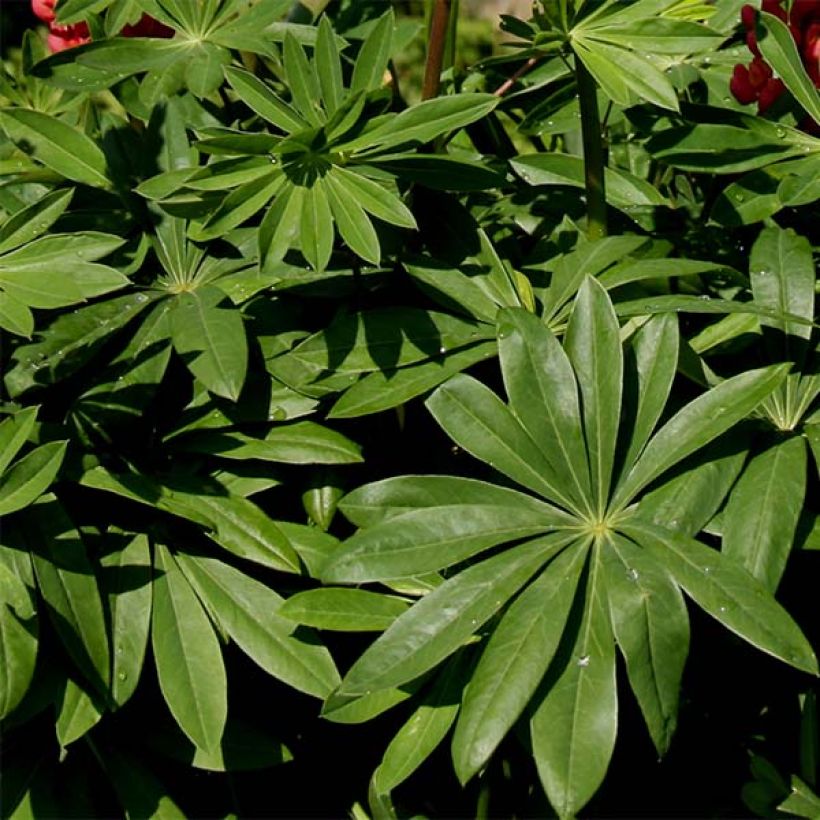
pixel 592 140
pixel 436 44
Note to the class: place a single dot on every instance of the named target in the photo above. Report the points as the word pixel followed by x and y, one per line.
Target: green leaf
pixel 18 636
pixel 77 713
pixel 373 55
pixel 621 73
pixel 14 431
pixel 690 497
pixel 718 148
pixel 514 661
pixel 573 727
pixel 240 204
pixel 727 592
pixel 425 121
pixel 280 227
pixel 651 626
pixel 122 56
pixel 126 582
pixel 328 66
pixel 29 477
pixel 480 423
pixel 696 424
pixel 623 190
pixel 375 199
pixel 15 316
pixel 300 442
pixel 783 276
pixel 760 518
pixel 802 802
pixel 383 390
pixel 67 583
pixel 361 709
pixel 383 501
pixel 653 357
pixel 657 35
pixel 187 656
pixel 302 83
pixel 211 340
pixel 249 612
pixel 35 219
pixel 352 221
pixel 59 146
pixel 593 345
pixel 543 392
pixel 424 730
pixel 779 50
pixel 345 610
pixel 316 227
pixel 234 523
pixel 261 99
pixel 441 621
pixel 378 339
pixel 431 538
pixel 590 259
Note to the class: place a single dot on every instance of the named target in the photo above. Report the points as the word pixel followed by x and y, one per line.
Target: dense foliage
pixel 369 455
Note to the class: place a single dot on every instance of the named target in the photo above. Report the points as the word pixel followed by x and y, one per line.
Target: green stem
pixel 436 44
pixel 593 151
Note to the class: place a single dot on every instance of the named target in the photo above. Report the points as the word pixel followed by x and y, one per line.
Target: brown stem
pixel 435 49
pixel 508 84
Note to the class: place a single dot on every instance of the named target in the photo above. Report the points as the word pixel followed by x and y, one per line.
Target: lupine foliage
pixel 521 379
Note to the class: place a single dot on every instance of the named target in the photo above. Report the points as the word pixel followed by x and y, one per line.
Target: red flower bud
pixel 63 37
pixel 44 9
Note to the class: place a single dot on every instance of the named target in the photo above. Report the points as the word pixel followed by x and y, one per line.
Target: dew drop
pixel 632 574
pixel 583 660
pixel 707 570
pixel 141 297
pixel 442 349
pixel 721 609
pixel 780 132
pixel 739 196
pixel 122 676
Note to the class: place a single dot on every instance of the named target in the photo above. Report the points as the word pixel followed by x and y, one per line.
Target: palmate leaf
pixel 579 431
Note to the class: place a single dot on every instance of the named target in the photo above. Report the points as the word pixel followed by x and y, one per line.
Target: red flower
pixel 756 82
pixel 63 37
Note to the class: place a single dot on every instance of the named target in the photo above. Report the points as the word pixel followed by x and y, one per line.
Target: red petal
pixel 771 91
pixel 740 86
